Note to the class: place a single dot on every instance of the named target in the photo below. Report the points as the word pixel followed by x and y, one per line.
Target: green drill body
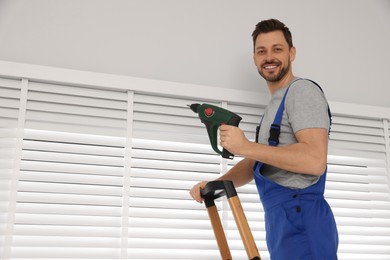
pixel 213 116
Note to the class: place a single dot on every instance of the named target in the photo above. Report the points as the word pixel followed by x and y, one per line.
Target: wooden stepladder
pixel 217 189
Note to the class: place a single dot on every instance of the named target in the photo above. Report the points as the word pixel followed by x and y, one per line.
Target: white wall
pixel 343 45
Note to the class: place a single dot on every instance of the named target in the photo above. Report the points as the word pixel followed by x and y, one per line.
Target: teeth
pixel 270 67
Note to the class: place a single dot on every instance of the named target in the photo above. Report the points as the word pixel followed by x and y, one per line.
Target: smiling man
pixel 289 157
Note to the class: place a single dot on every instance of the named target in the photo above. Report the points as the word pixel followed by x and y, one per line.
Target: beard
pixel 277 77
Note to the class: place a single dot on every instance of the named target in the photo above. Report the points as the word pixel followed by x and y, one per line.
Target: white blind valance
pixel 98 172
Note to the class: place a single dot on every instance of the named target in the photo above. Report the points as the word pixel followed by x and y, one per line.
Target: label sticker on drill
pixel 209 112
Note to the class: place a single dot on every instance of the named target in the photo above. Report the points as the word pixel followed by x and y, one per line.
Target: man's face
pixel 272 56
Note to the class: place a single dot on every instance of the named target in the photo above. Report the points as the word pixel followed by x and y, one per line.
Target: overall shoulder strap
pixel 274 130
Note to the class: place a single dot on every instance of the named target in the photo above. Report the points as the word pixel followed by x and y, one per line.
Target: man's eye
pixel 278 49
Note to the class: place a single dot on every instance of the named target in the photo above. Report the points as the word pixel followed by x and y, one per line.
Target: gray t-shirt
pixel 305 107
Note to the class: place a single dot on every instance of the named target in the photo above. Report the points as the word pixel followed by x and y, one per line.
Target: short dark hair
pixel 272 25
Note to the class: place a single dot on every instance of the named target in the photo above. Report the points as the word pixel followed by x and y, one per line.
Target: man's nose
pixel 269 58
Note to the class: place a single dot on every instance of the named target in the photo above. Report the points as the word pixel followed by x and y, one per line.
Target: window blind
pixel 358 187
pixel 9 153
pixel 104 173
pixel 171 153
pixel 69 194
pixel 168 152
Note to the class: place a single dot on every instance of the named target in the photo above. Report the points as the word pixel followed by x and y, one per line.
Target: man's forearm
pixel 241 173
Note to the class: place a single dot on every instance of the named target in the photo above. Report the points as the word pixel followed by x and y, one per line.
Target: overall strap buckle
pixel 274 133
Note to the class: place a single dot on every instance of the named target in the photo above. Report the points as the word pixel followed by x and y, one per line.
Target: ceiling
pixel 343 45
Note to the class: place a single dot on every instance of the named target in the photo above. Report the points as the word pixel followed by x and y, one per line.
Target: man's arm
pixel 240 174
pixel 307 156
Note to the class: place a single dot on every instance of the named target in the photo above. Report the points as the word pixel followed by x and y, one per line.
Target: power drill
pixel 213 117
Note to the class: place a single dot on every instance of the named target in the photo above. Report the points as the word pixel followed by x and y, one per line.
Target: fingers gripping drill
pixel 213 117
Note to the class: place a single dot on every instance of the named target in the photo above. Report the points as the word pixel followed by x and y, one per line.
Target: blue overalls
pixel 299 222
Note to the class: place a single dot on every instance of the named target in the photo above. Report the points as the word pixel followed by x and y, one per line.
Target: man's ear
pixel 293 51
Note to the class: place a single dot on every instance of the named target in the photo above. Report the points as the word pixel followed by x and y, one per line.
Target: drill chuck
pixel 194 107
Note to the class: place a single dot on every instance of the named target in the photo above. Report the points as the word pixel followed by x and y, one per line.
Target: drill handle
pixel 226 154
pixel 234 121
pixel 212 130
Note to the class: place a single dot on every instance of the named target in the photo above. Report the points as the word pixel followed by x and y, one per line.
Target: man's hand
pixel 232 139
pixel 195 191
